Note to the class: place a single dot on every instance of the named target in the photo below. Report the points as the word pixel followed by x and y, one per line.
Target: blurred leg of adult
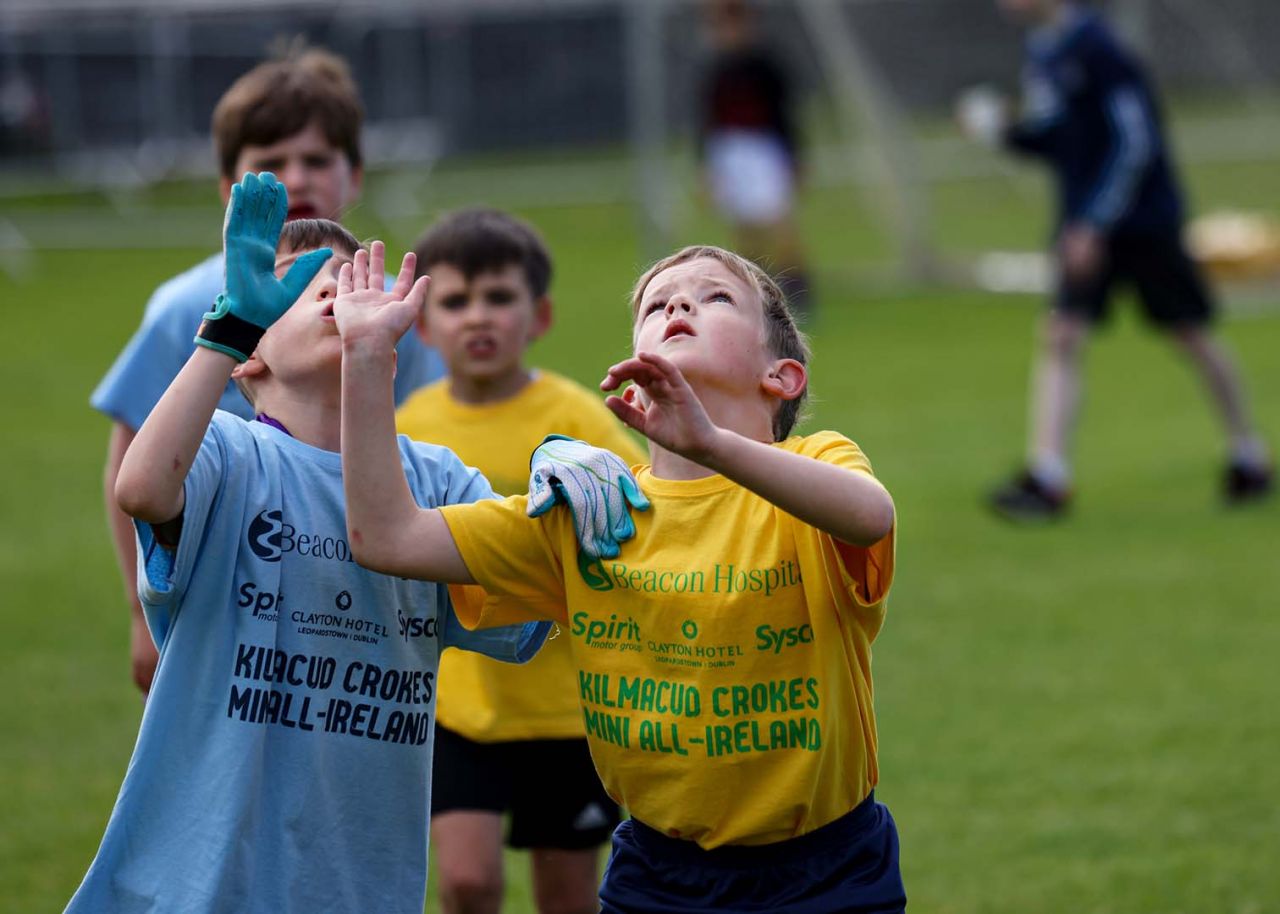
pixel 1042 490
pixel 1248 471
pixel 1055 397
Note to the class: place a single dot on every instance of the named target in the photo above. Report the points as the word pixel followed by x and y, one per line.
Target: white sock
pixel 1052 472
pixel 1249 452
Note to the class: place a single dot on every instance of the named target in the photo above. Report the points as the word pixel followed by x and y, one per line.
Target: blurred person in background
pixel 510 740
pixel 749 148
pixel 1089 110
pixel 298 116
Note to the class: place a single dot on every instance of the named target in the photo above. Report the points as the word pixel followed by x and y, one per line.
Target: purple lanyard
pixel 274 423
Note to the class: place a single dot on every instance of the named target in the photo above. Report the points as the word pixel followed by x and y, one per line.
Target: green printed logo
pixel 767 581
pixel 593 573
pixel 599 633
pixel 773 639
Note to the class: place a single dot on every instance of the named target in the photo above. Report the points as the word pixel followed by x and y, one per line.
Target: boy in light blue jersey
pixel 297 116
pixel 284 759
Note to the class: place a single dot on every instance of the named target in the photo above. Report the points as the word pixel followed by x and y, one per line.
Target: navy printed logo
pixel 265 535
pixel 413 627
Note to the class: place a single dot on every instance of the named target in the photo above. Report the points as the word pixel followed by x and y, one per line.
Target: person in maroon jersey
pixel 749 149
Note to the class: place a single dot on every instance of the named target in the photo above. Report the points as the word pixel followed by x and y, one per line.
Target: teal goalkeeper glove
pixel 595 484
pixel 253 299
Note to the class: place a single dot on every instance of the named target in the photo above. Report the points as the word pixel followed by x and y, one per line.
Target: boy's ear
pixel 786 379
pixel 542 317
pixel 224 189
pixel 253 367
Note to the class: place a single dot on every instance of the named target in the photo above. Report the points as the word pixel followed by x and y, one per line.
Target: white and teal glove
pixel 253 299
pixel 597 487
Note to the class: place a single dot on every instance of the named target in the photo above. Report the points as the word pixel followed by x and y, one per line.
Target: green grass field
pixel 1082 718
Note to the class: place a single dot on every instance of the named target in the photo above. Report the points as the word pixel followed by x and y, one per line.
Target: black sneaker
pixel 1025 498
pixel 1246 483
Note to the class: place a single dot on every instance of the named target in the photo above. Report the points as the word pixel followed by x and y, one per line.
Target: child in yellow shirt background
pixel 501 727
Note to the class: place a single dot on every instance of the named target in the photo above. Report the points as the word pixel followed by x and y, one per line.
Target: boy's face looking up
pixel 482 325
pixel 709 322
pixel 318 176
pixel 304 340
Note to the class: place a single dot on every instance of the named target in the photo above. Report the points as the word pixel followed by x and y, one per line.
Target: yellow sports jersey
pixel 483 699
pixel 723 661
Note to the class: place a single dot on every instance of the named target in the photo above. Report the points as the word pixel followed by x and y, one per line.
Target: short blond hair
pixel 782 336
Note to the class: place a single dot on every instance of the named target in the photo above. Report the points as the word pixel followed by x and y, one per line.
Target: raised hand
pixel 596 486
pixel 669 414
pixel 253 298
pixel 365 310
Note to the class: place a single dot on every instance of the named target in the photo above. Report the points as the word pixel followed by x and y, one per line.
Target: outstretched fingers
pixel 345 278
pixel 277 206
pixel 654 374
pixel 632 369
pixel 632 415
pixel 360 271
pixel 417 296
pixel 377 266
pixel 404 279
pixel 235 212
pixel 262 192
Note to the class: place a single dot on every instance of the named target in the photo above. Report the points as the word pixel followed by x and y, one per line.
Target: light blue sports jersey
pixel 284 759
pixel 163 343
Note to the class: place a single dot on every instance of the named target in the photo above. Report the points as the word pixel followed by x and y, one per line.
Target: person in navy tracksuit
pixel 1090 112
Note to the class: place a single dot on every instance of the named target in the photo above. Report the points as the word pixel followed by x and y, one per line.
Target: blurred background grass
pixel 1076 718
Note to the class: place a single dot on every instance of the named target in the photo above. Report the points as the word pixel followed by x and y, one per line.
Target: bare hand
pixel 1081 251
pixel 366 312
pixel 672 417
pixel 142 655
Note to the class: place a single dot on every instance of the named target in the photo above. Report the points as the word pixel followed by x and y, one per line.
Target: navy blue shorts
pixel 848 866
pixel 1168 282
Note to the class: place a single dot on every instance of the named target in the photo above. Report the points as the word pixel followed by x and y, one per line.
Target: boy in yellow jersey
pixel 724 660
pixel 500 728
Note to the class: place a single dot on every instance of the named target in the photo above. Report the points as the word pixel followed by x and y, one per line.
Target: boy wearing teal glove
pixel 283 763
pixel 298 116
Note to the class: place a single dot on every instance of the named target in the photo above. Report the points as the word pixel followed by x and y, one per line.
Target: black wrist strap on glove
pixel 229 334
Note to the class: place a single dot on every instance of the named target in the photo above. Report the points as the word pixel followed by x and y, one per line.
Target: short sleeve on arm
pixel 869 569
pixel 508 643
pixel 515 559
pixel 163 573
